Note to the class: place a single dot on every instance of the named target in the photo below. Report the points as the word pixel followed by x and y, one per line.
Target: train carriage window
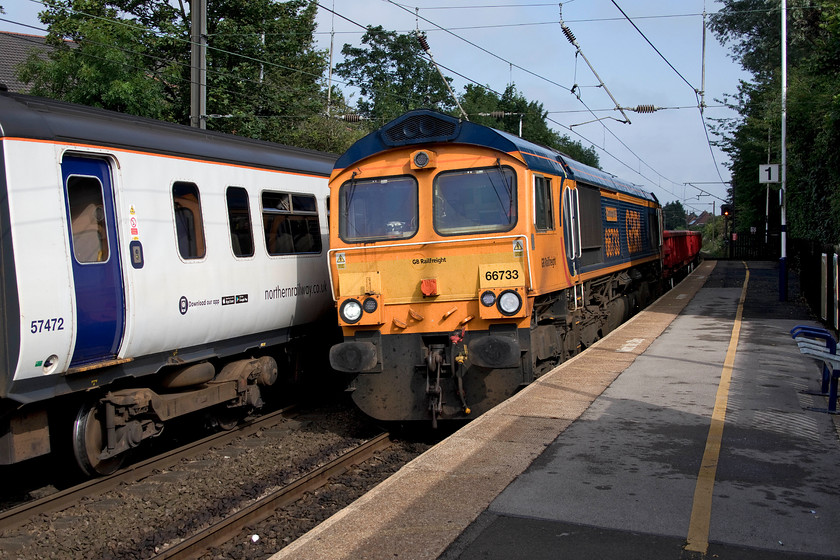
pixel 239 219
pixel 475 201
pixel 377 209
pixel 189 226
pixel 291 223
pixel 87 219
pixel 543 208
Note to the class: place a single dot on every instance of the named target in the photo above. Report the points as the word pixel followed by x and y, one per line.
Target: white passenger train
pixel 145 270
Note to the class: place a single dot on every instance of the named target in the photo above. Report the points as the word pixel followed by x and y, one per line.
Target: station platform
pixel 685 433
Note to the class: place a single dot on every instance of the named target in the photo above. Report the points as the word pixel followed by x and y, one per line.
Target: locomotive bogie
pixel 134 249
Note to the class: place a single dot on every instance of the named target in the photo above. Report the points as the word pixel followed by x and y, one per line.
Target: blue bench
pixel 819 343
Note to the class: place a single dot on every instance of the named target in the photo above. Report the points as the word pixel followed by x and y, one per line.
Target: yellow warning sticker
pixel 518 248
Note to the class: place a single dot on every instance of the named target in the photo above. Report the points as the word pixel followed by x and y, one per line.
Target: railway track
pixel 199 495
pixel 230 527
pixel 18 515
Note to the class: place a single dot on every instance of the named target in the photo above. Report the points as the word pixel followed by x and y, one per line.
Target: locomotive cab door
pixel 100 305
pixel 571 230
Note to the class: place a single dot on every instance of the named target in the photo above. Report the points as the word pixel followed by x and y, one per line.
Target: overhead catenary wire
pixel 424 44
pixel 698 94
pixel 473 81
pixel 548 80
pixel 573 40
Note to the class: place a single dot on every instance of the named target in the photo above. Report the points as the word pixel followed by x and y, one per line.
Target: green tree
pixel 102 60
pixel 713 237
pixel 333 133
pixel 263 75
pixel 674 215
pixel 263 70
pixel 392 75
pixel 479 102
pixel 752 27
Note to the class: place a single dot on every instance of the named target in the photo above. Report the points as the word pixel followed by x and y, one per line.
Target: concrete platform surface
pixel 682 434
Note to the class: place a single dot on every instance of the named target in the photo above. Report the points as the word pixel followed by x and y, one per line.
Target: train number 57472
pixel 46 325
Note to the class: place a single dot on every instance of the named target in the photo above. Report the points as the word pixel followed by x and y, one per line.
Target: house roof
pixel 701 220
pixel 15 48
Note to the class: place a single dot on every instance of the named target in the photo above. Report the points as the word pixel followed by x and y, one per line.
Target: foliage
pixel 813 113
pixel 263 71
pixel 133 56
pixel 479 102
pixel 713 237
pixel 393 75
pixel 674 215
pixel 103 61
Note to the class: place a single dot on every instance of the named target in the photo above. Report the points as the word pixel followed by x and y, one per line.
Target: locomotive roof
pixel 23 116
pixel 423 126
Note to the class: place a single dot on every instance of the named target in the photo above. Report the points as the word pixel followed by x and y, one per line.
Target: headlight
pixel 370 305
pixel 509 302
pixel 488 298
pixel 421 159
pixel 350 311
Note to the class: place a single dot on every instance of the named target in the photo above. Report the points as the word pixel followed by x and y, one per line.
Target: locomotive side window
pixel 377 209
pixel 291 224
pixel 591 234
pixel 239 218
pixel 653 229
pixel 188 222
pixel 543 208
pixel 475 201
pixel 87 219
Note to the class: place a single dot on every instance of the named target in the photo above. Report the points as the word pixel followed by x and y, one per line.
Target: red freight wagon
pixel 681 248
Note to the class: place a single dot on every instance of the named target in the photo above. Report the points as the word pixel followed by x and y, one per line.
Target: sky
pixel 498 42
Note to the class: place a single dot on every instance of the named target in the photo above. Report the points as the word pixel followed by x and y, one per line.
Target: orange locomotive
pixel 466 261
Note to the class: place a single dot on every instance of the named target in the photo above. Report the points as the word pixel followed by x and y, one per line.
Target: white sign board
pixel 768 173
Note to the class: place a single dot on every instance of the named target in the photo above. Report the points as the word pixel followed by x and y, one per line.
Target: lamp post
pixel 782 199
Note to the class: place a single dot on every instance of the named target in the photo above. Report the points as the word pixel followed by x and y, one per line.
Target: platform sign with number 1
pixel 768 173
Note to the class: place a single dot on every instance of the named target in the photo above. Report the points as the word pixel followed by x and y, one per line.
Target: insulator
pixel 645 109
pixel 568 33
pixel 423 42
pixel 497 114
pixel 351 118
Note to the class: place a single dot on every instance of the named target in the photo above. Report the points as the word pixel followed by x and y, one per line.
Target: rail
pixel 227 529
pixel 18 515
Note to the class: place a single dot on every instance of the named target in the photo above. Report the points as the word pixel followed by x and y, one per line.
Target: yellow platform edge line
pixel 701 509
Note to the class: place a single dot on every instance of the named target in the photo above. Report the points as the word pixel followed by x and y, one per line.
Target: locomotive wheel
pixel 89 441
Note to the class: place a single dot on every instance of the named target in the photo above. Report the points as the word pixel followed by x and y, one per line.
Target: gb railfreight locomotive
pixel 148 270
pixel 466 261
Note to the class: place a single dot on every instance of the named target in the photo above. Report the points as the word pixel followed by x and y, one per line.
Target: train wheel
pixel 89 441
pixel 226 418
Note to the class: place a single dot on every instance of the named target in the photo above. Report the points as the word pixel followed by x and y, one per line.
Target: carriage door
pixel 99 305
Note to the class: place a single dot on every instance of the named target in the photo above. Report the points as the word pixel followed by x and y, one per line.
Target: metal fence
pixel 754 246
pixel 819 278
